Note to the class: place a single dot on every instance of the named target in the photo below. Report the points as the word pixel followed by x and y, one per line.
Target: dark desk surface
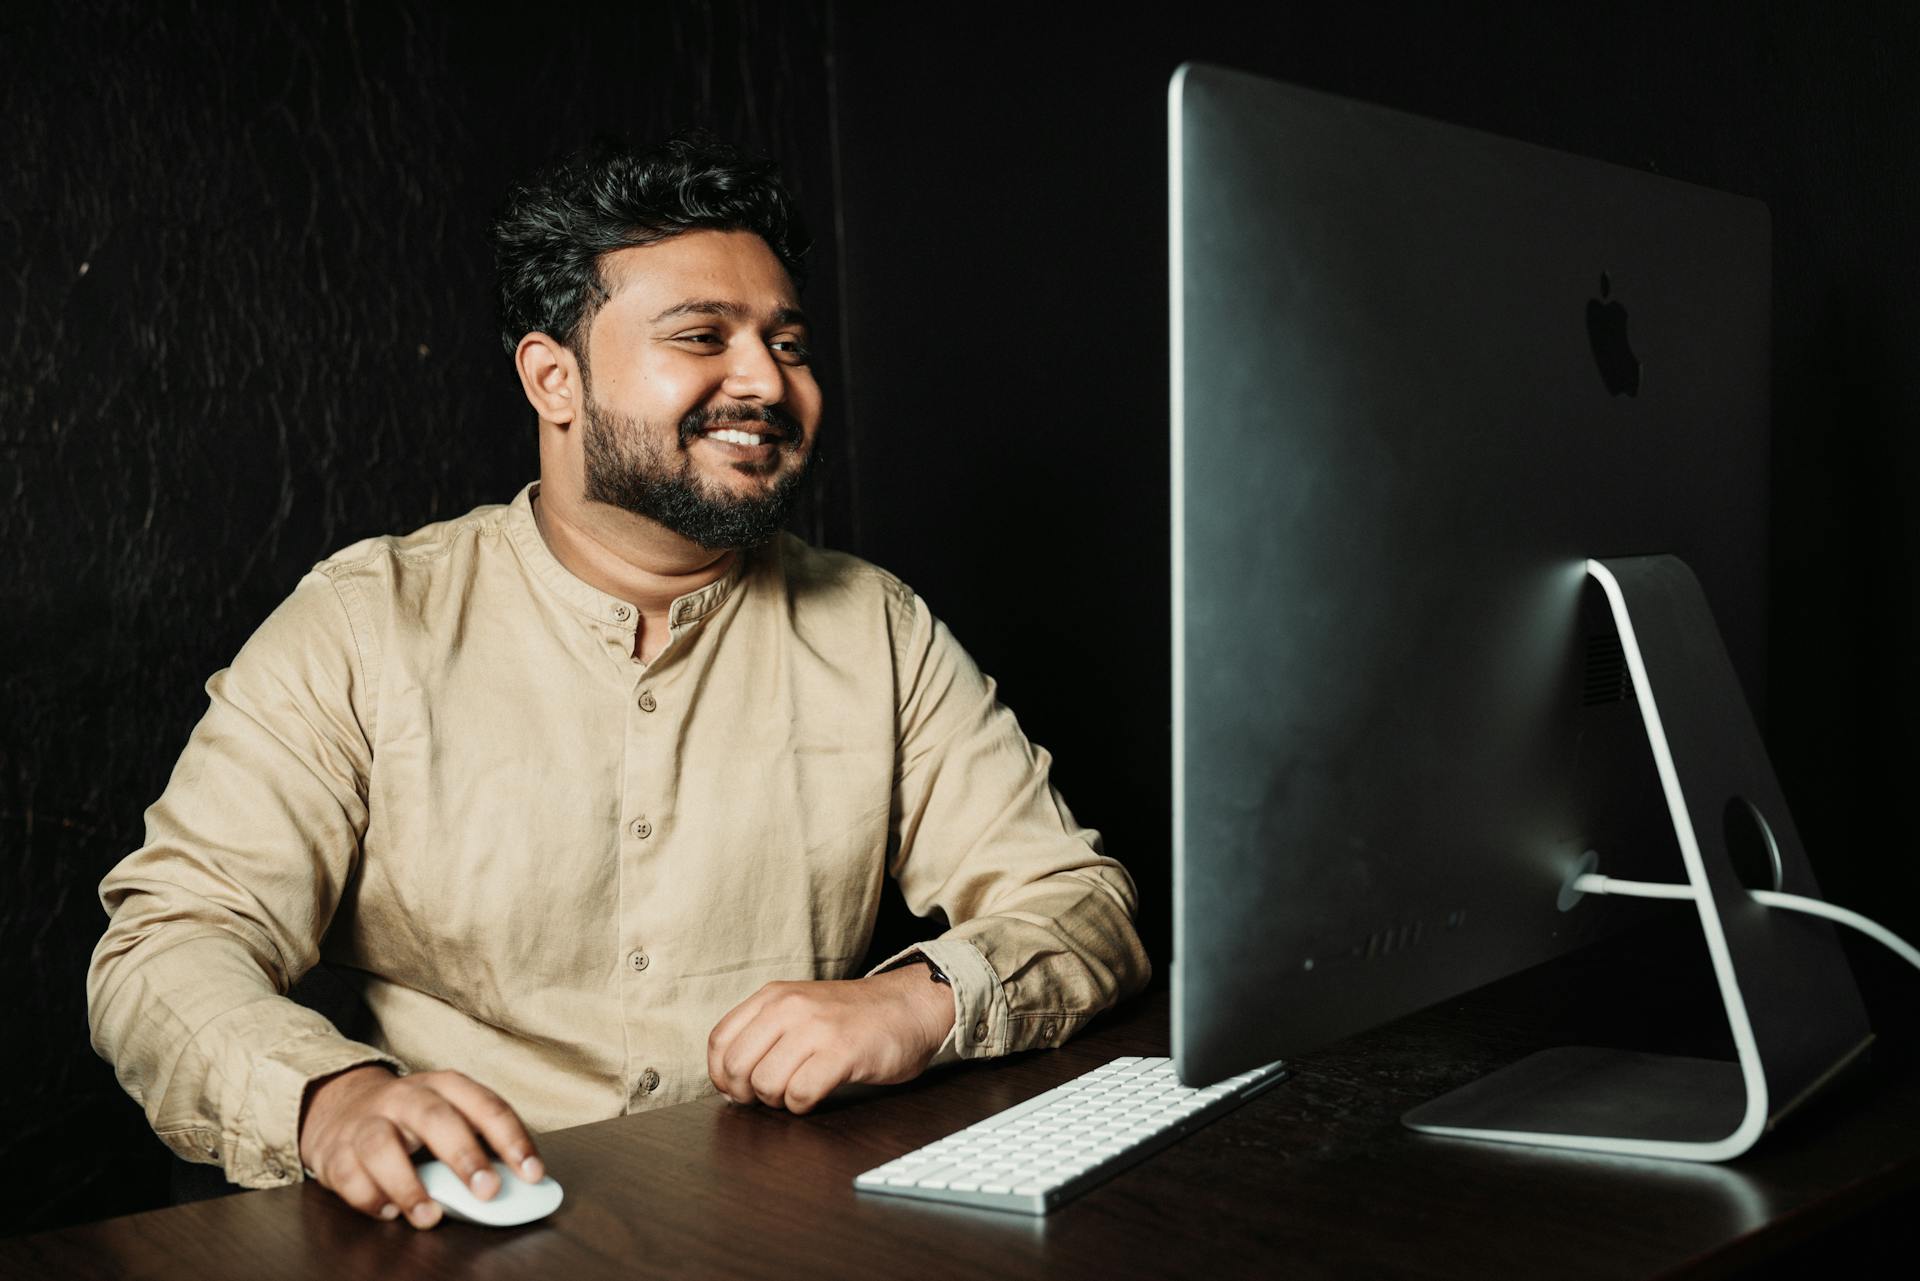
pixel 1314 1178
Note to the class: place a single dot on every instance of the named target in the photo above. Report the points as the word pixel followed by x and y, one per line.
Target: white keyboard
pixel 1038 1155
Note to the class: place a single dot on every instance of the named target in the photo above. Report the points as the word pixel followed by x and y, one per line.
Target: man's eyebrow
pixel 726 309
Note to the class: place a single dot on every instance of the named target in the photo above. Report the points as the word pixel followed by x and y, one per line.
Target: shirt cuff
pixel 981 1017
pixel 264 1149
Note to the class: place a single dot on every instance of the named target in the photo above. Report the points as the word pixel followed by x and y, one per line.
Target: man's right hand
pixel 359 1130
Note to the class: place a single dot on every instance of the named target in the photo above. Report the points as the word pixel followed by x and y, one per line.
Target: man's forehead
pixel 727 274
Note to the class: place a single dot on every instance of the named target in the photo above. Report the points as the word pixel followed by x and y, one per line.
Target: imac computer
pixel 1469 467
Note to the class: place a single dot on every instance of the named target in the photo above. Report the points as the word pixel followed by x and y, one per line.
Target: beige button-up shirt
pixel 439 768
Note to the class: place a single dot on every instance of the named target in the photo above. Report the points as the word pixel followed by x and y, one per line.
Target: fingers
pixel 720 1040
pixel 739 1041
pixel 447 1134
pixel 781 1048
pixel 388 1167
pixel 733 1071
pixel 813 1080
pixel 371 1171
pixel 795 1043
pixel 768 1077
pixel 795 1075
pixel 349 1180
pixel 497 1124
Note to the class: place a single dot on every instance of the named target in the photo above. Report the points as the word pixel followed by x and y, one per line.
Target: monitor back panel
pixel 1399 715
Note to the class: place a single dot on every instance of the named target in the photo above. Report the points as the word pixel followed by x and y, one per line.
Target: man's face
pixel 701 407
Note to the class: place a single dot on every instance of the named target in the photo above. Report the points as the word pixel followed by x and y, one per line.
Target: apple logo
pixel 1607 330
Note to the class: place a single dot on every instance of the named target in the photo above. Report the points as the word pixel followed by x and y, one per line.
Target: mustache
pixel 768 420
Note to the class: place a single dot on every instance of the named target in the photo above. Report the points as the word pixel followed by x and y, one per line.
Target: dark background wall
pixel 250 322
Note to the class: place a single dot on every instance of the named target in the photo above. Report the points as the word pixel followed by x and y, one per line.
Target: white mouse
pixel 515 1203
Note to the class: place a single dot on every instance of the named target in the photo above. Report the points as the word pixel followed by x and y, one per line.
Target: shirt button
pixel 638 959
pixel 273 1168
pixel 647 702
pixel 642 828
pixel 621 613
pixel 649 1081
pixel 682 614
pixel 980 1031
pixel 1047 1030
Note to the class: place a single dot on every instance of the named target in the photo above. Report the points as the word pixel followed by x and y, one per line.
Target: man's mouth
pixel 744 436
pixel 735 436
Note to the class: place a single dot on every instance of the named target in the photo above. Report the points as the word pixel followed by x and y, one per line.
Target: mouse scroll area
pixel 516 1202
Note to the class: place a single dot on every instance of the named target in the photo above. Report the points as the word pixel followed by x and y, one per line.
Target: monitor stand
pixel 1790 1000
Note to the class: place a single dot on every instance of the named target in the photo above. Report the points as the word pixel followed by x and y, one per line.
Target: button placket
pixel 647 754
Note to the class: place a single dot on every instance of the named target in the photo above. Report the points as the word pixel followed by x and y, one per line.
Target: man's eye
pixel 713 339
pixel 793 350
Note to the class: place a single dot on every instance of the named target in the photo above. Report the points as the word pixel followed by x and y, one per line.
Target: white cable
pixel 1594 883
pixel 1814 907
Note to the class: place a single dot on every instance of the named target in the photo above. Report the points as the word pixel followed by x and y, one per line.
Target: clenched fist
pixel 790 1045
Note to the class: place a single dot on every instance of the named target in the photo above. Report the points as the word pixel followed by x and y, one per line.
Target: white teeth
pixel 737 437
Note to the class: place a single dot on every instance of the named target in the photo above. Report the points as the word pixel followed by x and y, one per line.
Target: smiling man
pixel 592 794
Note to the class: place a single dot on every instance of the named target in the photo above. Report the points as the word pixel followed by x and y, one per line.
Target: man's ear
pixel 550 376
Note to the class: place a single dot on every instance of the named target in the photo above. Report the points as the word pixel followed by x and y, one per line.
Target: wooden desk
pixel 1314 1178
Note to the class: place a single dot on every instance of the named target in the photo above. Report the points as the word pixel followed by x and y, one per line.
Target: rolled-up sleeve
pixel 222 909
pixel 1042 933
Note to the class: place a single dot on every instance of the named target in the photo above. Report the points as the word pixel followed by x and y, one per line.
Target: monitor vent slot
pixel 1606 679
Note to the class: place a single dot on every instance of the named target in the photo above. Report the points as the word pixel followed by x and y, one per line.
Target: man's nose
pixel 754 374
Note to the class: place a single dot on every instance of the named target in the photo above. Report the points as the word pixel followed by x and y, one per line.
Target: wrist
pixel 929 999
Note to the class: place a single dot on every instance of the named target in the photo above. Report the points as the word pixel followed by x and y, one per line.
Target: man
pixel 591 794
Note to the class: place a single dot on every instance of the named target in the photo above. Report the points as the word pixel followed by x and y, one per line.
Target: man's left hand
pixel 790 1045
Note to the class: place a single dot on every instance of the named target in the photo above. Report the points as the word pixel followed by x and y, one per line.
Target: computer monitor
pixel 1469 452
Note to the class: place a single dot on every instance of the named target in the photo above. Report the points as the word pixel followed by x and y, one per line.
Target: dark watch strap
pixel 934 972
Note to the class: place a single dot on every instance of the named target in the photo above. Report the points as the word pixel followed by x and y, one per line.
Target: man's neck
pixel 626 556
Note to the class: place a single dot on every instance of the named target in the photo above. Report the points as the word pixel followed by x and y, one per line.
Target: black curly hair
pixel 554 227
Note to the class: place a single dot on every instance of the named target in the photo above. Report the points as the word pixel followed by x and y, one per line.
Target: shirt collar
pixel 591 601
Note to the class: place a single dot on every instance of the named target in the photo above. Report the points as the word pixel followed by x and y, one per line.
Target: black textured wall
pixel 246 318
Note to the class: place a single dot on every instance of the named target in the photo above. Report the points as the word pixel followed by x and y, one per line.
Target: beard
pixel 631 465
